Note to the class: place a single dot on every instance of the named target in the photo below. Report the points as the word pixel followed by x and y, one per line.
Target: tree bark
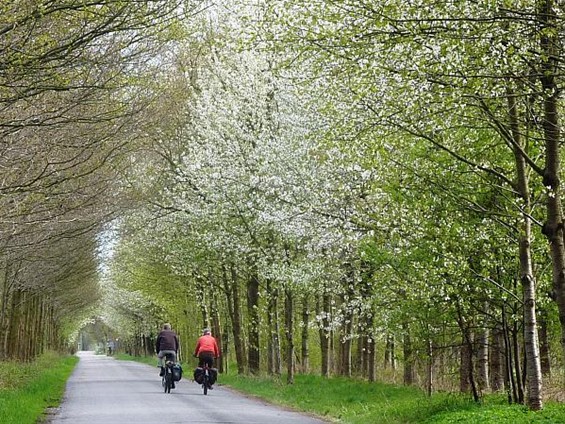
pixel 553 227
pixel 305 337
pixel 217 328
pixel 509 369
pixel 408 360
pixel 253 316
pixel 371 355
pixel 274 361
pixel 544 345
pixel 526 267
pixel 496 361
pixel 390 361
pixel 482 361
pixel 289 332
pixel 234 310
pixel 325 335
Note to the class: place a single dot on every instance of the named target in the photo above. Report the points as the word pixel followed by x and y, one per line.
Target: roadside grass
pixel 28 389
pixel 355 402
pixel 351 401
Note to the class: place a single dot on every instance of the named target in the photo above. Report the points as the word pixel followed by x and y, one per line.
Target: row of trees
pixel 377 181
pixel 364 177
pixel 71 93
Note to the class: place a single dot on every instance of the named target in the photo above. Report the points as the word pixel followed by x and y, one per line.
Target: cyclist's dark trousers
pixel 206 358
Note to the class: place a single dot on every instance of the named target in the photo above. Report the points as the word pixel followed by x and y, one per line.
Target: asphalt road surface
pixel 106 391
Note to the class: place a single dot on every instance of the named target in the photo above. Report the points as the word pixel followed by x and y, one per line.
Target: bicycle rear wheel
pixel 168 381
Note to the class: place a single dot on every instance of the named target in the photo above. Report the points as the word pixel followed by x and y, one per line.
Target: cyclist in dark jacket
pixel 167 344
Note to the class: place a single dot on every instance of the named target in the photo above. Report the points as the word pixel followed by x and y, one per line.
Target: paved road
pixel 106 391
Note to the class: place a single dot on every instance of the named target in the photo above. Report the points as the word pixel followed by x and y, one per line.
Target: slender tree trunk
pixel 517 365
pixel 234 310
pixel 360 364
pixel 289 332
pixel 390 361
pixel 325 335
pixel 482 361
pixel 408 360
pixel 509 371
pixel 553 227
pixel 465 366
pixel 5 316
pixel 274 362
pixel 345 344
pixel 253 314
pixel 496 360
pixel 544 345
pixel 304 352
pixel 216 327
pixel 371 356
pixel 430 370
pixel 201 292
pixel 526 268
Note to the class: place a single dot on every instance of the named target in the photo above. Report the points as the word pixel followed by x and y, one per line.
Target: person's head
pixel 206 332
pixel 166 326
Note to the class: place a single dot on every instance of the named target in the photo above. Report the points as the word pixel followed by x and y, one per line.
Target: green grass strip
pixel 28 389
pixel 351 401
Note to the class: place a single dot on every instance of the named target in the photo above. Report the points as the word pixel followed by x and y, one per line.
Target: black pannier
pixel 198 374
pixel 177 372
pixel 213 375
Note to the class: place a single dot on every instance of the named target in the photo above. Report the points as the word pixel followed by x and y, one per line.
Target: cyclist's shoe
pixel 210 387
pixel 173 386
pixel 162 372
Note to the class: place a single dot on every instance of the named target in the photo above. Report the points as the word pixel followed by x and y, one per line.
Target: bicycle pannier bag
pixel 213 375
pixel 199 374
pixel 177 372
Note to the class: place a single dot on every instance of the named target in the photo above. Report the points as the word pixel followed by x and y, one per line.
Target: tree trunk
pixel 371 356
pixel 389 352
pixel 325 335
pixel 517 365
pixel 304 352
pixel 482 360
pixel 216 327
pixel 5 316
pixel 274 362
pixel 465 366
pixel 526 267
pixel 553 227
pixel 359 365
pixel 408 360
pixel 289 332
pixel 430 371
pixel 345 345
pixel 509 372
pixel 253 316
pixel 234 310
pixel 496 361
pixel 544 346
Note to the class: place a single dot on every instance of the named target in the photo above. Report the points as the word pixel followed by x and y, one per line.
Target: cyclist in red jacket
pixel 206 349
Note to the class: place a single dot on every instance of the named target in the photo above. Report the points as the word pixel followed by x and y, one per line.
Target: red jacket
pixel 207 343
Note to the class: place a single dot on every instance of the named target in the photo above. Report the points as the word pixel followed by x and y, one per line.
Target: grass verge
pixel 28 389
pixel 350 401
pixel 355 402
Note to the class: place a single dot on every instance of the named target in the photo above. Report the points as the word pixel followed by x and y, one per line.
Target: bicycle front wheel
pixel 205 384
